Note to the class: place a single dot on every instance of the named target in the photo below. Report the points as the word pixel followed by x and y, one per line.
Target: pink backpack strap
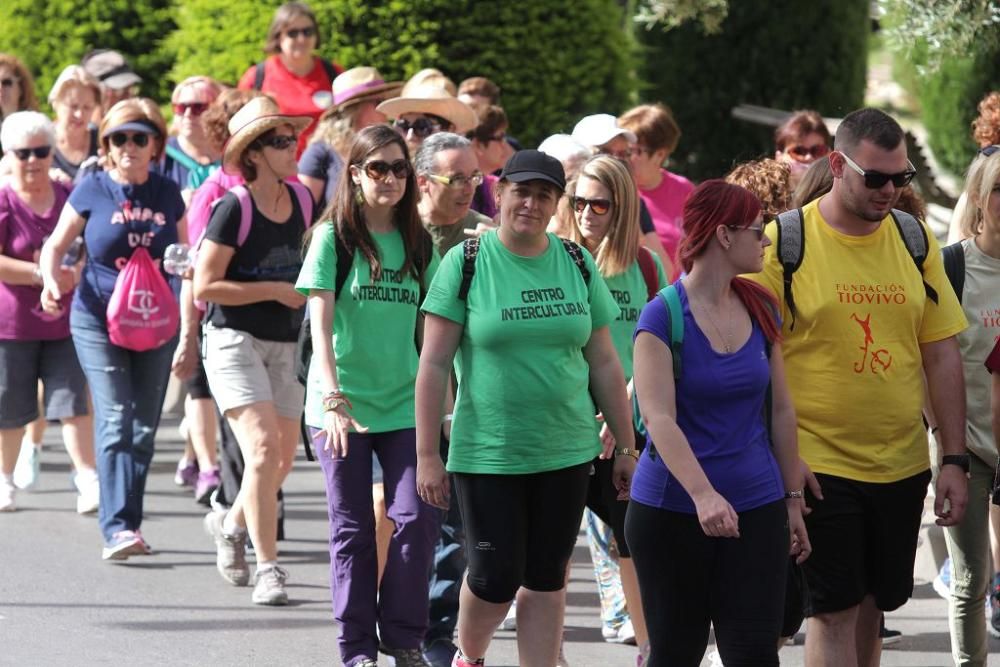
pixel 305 201
pixel 246 213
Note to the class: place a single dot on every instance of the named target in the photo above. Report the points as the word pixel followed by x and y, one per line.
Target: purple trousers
pixel 399 606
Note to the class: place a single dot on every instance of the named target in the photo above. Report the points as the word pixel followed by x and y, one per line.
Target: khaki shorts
pixel 243 370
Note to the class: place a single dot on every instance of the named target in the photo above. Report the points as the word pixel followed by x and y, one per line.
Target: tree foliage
pixel 932 31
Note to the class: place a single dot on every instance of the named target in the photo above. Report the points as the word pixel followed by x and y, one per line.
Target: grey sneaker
pixel 269 586
pixel 405 657
pixel 230 551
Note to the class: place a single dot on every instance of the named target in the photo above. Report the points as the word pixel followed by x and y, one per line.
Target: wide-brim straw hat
pixel 359 84
pixel 434 100
pixel 254 119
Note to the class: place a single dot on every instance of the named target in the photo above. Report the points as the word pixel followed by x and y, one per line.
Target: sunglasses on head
pixel 196 108
pixel 304 32
pixel 41 152
pixel 119 139
pixel 598 206
pixel 379 169
pixel 877 179
pixel 803 153
pixel 279 142
pixel 422 127
pixel 8 83
pixel 757 230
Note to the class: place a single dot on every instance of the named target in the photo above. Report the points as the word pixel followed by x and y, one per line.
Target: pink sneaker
pixel 206 485
pixel 461 661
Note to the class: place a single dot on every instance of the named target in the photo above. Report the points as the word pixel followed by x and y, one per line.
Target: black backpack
pixel 953 257
pixel 470 250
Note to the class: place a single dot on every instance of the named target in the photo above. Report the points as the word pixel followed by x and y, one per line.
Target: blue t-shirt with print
pixel 720 410
pixel 121 217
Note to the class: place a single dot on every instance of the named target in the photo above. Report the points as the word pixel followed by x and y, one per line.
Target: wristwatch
pixel 960 460
pixel 626 451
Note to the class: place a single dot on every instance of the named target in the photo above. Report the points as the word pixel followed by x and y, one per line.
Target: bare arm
pixel 210 283
pixel 607 382
pixel 18 271
pixel 70 226
pixel 316 186
pixel 946 390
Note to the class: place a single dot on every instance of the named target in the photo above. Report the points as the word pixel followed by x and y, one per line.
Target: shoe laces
pixel 273 576
pixel 409 657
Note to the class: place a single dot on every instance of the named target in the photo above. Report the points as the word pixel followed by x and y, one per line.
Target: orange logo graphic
pixel 879 358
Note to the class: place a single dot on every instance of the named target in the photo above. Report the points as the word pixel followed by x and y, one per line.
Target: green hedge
pixel 785 54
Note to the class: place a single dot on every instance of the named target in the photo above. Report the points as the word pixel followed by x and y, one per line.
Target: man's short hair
pixel 870 125
pixel 424 161
pixel 482 87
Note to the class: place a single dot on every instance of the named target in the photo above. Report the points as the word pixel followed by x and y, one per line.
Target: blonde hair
pixel 209 86
pixel 983 174
pixel 134 109
pixel 336 129
pixel 74 75
pixel 620 246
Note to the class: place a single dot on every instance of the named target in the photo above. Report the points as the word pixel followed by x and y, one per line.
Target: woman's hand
pixel 433 486
pixel 799 538
pixel 185 358
pixel 51 297
pixel 621 475
pixel 716 515
pixel 285 294
pixel 337 424
pixel 607 438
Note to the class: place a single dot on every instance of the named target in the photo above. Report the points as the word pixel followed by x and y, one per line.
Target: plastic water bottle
pixel 74 252
pixel 177 259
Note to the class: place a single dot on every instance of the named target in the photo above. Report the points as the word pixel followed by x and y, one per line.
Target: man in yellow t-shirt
pixel 862 333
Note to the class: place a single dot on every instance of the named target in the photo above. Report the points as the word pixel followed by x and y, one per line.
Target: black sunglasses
pixel 119 139
pixel 758 231
pixel 598 206
pixel 41 152
pixel 8 83
pixel 305 32
pixel 379 169
pixel 422 127
pixel 877 179
pixel 280 142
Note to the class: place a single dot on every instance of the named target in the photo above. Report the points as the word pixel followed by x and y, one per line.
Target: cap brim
pixel 122 81
pixel 452 110
pixel 132 126
pixel 244 136
pixel 524 176
pixel 604 139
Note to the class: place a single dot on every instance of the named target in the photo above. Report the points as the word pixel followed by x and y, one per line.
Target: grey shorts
pixel 243 369
pixel 22 364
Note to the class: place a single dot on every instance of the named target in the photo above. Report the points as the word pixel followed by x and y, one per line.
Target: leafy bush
pixel 785 54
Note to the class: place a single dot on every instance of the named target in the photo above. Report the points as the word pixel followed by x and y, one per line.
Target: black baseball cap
pixel 532 165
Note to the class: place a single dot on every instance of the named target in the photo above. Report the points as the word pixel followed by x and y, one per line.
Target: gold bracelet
pixel 627 452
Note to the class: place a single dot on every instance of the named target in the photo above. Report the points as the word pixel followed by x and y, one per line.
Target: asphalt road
pixel 60 604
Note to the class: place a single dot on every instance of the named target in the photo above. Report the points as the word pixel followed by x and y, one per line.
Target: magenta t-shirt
pixel 22 233
pixel 666 205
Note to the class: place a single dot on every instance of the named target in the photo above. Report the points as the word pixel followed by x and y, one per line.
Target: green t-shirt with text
pixel 522 404
pixel 373 327
pixel 629 290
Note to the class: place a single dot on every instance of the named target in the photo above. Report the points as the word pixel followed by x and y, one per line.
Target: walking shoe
pixel 366 662
pixel 994 601
pixel 187 473
pixel 942 582
pixel 439 652
pixel 7 491
pixel 509 621
pixel 643 656
pixel 206 485
pixel 889 637
pixel 28 466
pixel 125 543
pixel 269 587
pixel 404 657
pixel 147 550
pixel 623 634
pixel 89 487
pixel 230 551
pixel 461 661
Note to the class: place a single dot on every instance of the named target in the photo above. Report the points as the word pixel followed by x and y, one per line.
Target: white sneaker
pixel 623 634
pixel 7 491
pixel 509 621
pixel 89 487
pixel 28 466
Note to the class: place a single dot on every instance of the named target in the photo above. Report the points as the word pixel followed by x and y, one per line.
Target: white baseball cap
pixel 599 129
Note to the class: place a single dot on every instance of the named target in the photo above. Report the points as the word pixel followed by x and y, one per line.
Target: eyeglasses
pixel 379 169
pixel 279 142
pixel 9 83
pixel 422 127
pixel 621 155
pixel 40 152
pixel 987 151
pixel 196 108
pixel 876 179
pixel 294 33
pixel 757 230
pixel 458 182
pixel 140 139
pixel 598 206
pixel 807 153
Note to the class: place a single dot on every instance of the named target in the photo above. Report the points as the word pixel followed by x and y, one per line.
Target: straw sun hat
pixel 359 84
pixel 254 119
pixel 422 97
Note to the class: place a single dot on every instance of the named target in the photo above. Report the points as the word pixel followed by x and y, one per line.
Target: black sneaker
pixel 994 625
pixel 889 637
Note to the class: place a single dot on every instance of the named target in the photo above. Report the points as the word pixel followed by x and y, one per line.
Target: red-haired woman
pixel 715 470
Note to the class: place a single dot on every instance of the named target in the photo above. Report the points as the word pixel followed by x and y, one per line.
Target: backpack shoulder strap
pixel 576 253
pixel 915 240
pixel 258 75
pixel 648 267
pixel 791 249
pixel 177 155
pixel 470 250
pixel 246 213
pixel 305 201
pixel 329 68
pixel 345 259
pixel 675 317
pixel 953 257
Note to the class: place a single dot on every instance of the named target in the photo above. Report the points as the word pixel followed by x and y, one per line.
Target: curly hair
pixel 216 117
pixel 986 126
pixel 28 101
pixel 768 179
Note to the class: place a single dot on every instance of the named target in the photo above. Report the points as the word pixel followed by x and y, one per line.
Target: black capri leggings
pixel 689 581
pixel 520 529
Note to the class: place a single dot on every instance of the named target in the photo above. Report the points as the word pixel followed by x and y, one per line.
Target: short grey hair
pixel 20 127
pixel 424 162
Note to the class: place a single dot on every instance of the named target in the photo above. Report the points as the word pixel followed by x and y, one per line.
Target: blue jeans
pixel 127 389
pixel 447 572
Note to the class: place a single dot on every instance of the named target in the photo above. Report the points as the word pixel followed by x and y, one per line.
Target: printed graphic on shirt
pixel 543 303
pixel 629 313
pixel 880 358
pixel 388 289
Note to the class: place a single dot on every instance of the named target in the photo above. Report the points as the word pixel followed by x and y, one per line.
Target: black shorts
pixel 864 541
pixel 602 499
pixel 520 529
pixel 197 384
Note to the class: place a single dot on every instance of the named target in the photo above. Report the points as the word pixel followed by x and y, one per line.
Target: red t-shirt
pixel 308 95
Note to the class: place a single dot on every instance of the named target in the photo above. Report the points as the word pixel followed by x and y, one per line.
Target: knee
pixel 265 457
pixel 497 586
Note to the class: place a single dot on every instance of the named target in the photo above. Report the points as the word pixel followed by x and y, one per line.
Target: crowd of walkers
pixel 743 388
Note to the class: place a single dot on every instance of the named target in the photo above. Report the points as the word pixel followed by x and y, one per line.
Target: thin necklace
pixel 729 321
